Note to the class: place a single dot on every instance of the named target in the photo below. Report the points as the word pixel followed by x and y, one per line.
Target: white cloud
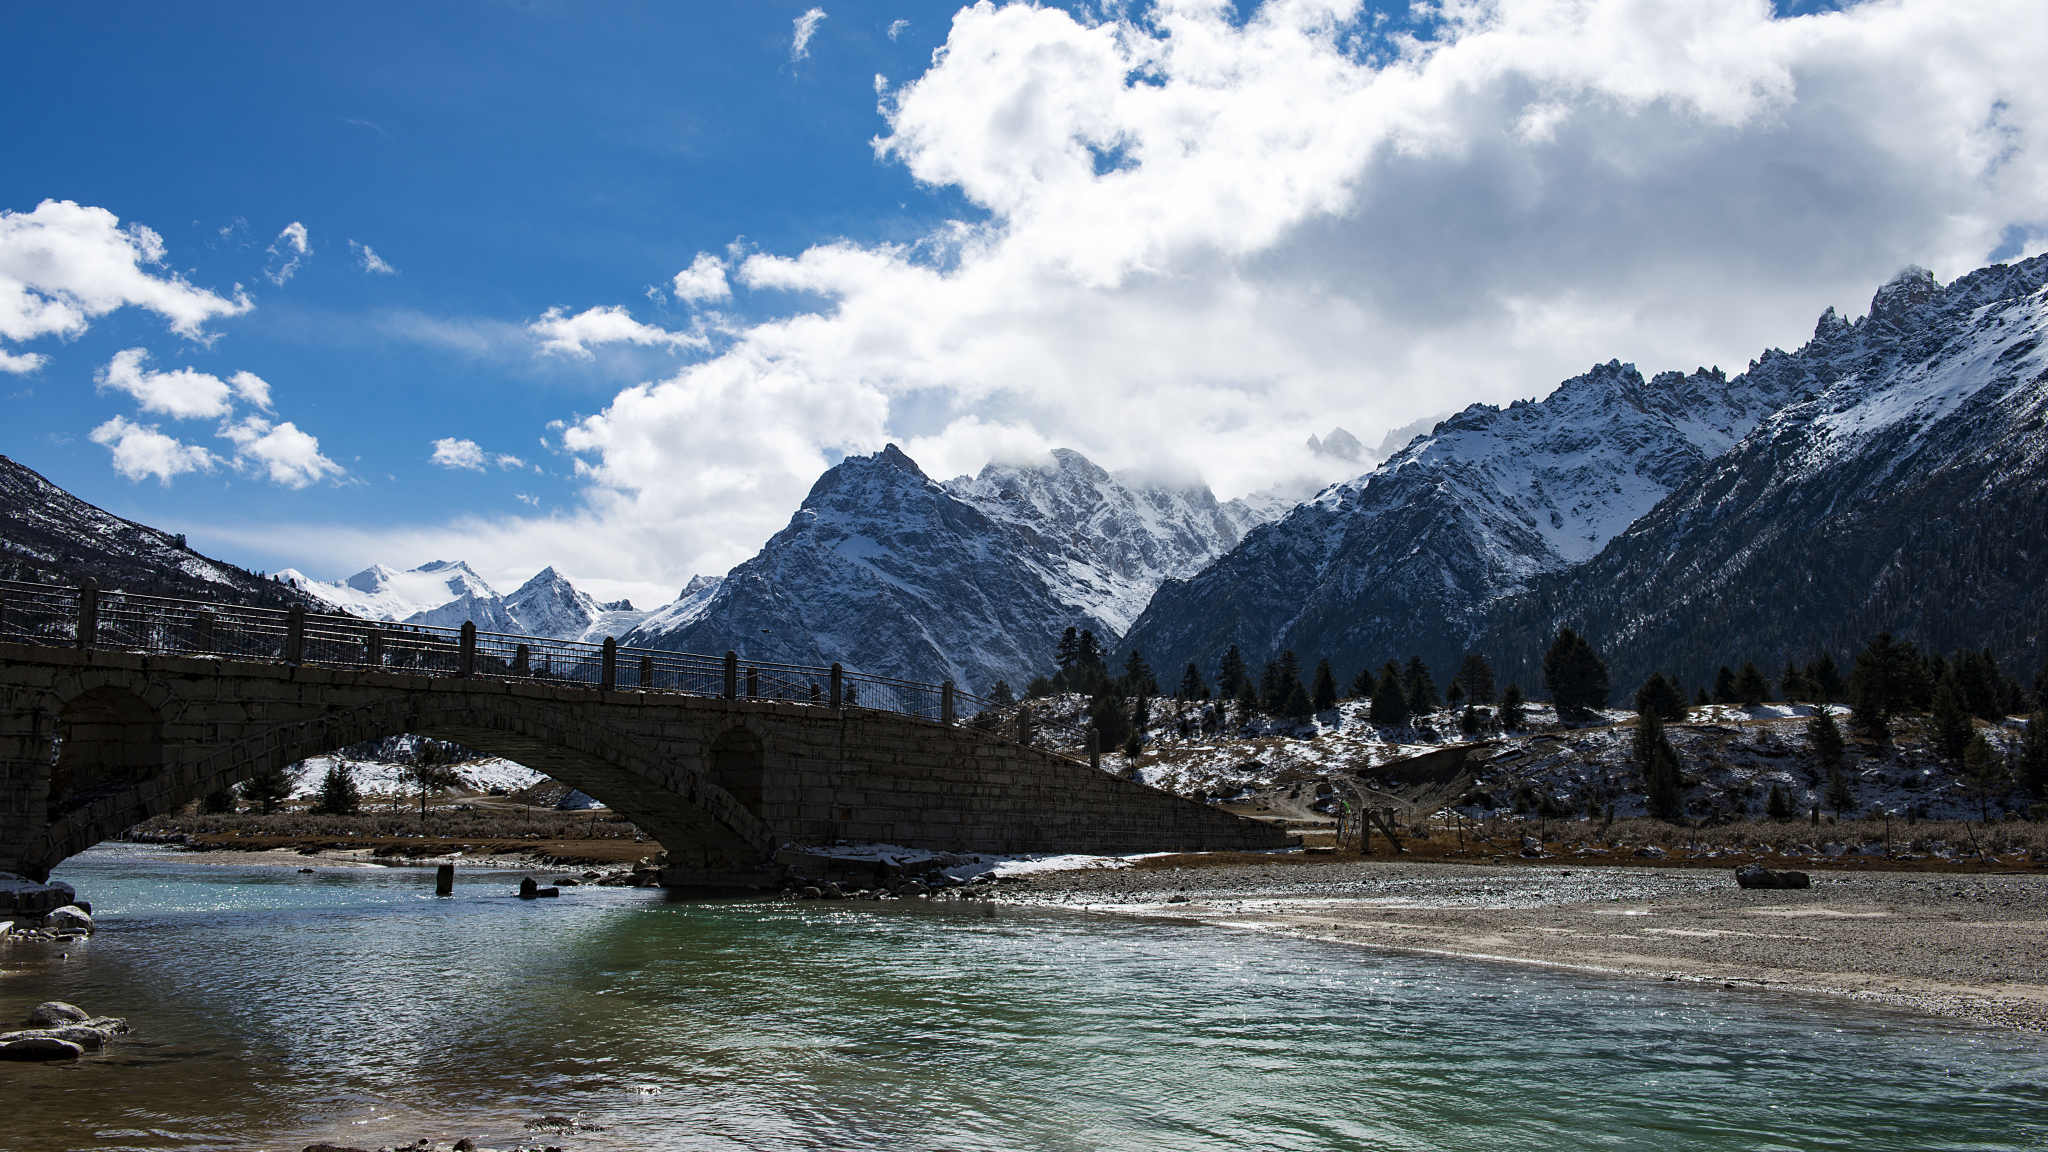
pixel 454 453
pixel 185 394
pixel 896 28
pixel 282 452
pixel 370 261
pixel 576 335
pixel 703 280
pixel 251 388
pixel 1206 237
pixel 806 27
pixel 286 252
pixel 21 364
pixel 140 450
pixel 62 265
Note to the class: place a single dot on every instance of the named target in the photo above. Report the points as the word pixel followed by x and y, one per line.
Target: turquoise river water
pixel 272 1009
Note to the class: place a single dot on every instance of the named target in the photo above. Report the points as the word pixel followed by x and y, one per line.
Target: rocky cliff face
pixel 1411 557
pixel 1903 489
pixel 885 570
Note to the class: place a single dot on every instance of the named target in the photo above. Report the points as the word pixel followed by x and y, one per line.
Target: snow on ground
pixel 380 778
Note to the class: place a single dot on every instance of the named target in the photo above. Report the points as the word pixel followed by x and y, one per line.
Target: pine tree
pixel 1141 719
pixel 1138 678
pixel 1724 686
pixel 1477 677
pixel 1454 695
pixel 1660 694
pixel 1701 699
pixel 1419 688
pixel 1884 683
pixel 1000 695
pixel 1839 796
pixel 1271 690
pixel 2033 757
pixel 1750 686
pixel 1982 684
pixel 1983 773
pixel 1662 788
pixel 1324 696
pixel 1825 677
pixel 1778 806
pixel 1247 699
pixel 1297 704
pixel 1230 673
pixel 1513 709
pixel 1089 654
pixel 1575 675
pixel 1950 720
pixel 268 787
pixel 1191 686
pixel 218 801
pixel 1389 703
pixel 1040 686
pixel 1824 736
pixel 338 793
pixel 1363 684
pixel 1068 650
pixel 1793 685
pixel 1111 723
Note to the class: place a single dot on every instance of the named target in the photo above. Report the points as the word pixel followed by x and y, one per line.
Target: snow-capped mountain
pixel 1108 541
pixel 1408 558
pixel 885 570
pixel 49 536
pixel 446 593
pixel 1905 489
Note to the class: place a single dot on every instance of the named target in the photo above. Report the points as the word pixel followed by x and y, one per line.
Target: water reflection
pixel 273 1009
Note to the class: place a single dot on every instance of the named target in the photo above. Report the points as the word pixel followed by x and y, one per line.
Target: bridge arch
pixel 739 765
pixel 113 771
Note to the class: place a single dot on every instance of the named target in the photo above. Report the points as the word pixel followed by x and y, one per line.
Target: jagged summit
pixel 447 593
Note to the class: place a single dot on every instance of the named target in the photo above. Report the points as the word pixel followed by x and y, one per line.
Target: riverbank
pixel 1966 946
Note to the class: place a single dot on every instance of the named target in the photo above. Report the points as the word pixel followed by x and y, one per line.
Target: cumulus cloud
pixel 703 280
pixel 469 455
pixel 806 27
pixel 370 261
pixel 63 265
pixel 286 252
pixel 281 452
pixel 576 335
pixel 140 450
pixel 1205 234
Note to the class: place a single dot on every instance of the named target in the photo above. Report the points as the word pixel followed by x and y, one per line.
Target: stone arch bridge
pixel 108 716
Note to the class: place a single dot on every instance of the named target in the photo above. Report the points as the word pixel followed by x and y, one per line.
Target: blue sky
pixel 1178 239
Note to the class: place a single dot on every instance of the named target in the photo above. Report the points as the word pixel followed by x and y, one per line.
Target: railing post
pixel 1024 724
pixel 202 633
pixel 838 686
pixel 753 682
pixel 88 612
pixel 295 634
pixel 647 671
pixel 816 692
pixel 608 679
pixel 1094 748
pixel 465 664
pixel 3 613
pixel 732 674
pixel 946 702
pixel 522 661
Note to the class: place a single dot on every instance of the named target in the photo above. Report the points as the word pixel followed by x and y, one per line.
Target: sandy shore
pixel 1968 946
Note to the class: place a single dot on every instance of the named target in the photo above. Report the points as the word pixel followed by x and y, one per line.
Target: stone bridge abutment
pixel 93 742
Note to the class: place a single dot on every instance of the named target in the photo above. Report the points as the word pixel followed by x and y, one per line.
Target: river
pixel 272 1009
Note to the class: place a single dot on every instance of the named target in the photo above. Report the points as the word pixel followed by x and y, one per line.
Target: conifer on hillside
pixel 2033 757
pixel 1660 694
pixel 1363 684
pixel 1000 695
pixel 1575 675
pixel 1751 689
pixel 268 788
pixel 1793 685
pixel 1724 686
pixel 1138 679
pixel 1839 796
pixel 1454 695
pixel 1389 702
pixel 1778 805
pixel 1984 774
pixel 1323 696
pixel 1949 720
pixel 1296 705
pixel 1247 699
pixel 1110 721
pixel 1663 792
pixel 218 801
pixel 1231 672
pixel 338 793
pixel 1514 714
pixel 1884 683
pixel 1419 688
pixel 1191 686
pixel 1825 677
pixel 1824 736
pixel 1477 677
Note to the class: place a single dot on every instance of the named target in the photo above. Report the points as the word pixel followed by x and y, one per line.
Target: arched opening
pixel 739 765
pixel 108 739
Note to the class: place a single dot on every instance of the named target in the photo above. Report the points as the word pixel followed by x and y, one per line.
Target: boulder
pixel 1758 876
pixel 55 1014
pixel 337 1148
pixel 528 888
pixel 546 892
pixel 40 1048
pixel 1652 852
pixel 69 918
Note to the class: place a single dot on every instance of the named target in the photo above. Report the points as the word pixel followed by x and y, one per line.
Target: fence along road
pixel 121 706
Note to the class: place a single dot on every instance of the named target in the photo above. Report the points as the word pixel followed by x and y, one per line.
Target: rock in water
pixel 55 1014
pixel 40 1048
pixel 528 889
pixel 69 918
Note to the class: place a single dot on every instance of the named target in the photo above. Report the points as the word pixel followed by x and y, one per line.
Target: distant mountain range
pixel 448 593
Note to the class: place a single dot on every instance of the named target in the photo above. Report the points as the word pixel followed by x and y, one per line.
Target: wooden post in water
pixel 88 612
pixel 444 880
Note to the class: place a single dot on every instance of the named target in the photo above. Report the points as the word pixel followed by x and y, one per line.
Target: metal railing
pixel 87 617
